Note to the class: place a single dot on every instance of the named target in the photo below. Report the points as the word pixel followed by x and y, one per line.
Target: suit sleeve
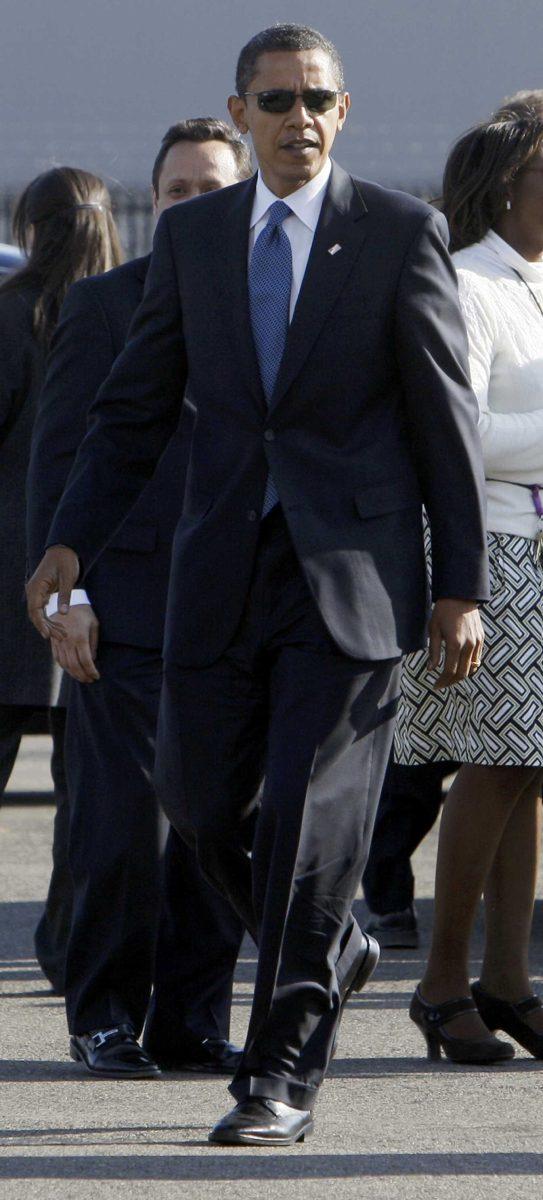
pixel 442 413
pixel 15 365
pixel 80 358
pixel 132 419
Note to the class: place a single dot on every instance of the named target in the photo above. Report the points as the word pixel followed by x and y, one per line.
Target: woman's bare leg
pixel 509 902
pixel 475 815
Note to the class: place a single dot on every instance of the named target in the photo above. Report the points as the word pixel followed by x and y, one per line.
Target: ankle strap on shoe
pixel 439 1014
pixel 528 1005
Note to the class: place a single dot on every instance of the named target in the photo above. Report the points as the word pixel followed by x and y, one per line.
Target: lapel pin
pixel 334 249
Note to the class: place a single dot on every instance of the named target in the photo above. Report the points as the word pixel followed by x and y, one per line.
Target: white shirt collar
pixel 306 202
pixel 532 271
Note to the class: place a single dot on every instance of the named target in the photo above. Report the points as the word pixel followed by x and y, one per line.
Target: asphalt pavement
pixel 389 1125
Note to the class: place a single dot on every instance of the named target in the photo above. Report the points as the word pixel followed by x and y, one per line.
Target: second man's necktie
pixel 270 283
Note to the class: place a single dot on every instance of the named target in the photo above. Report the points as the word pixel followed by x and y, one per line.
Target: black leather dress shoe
pixel 262 1122
pixel 362 969
pixel 113 1054
pixel 211 1056
pixel 360 973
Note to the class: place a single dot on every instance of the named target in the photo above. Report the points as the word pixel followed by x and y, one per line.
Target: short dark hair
pixel 481 166
pixel 521 104
pixel 203 129
pixel 284 37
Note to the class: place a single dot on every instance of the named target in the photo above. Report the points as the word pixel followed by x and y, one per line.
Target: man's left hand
pixel 457 624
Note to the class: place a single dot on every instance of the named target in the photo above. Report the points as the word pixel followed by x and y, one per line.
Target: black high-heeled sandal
pixel 431 1019
pixel 503 1014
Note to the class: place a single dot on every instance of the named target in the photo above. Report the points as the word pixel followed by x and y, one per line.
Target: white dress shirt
pixel 300 228
pixel 505 333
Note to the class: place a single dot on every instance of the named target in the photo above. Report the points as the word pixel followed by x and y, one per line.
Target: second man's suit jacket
pixel 372 415
pixel 128 584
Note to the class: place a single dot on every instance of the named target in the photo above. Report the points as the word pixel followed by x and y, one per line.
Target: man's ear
pixel 154 202
pixel 344 106
pixel 238 111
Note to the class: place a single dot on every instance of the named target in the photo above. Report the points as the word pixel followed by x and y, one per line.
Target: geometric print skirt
pixel 494 718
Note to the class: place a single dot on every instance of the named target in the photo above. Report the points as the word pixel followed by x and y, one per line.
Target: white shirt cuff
pixel 79 596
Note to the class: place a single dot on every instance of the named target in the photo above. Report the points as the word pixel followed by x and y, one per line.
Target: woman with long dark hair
pixel 64 225
pixel 492 722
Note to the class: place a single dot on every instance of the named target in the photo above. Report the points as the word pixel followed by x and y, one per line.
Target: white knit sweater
pixel 505 332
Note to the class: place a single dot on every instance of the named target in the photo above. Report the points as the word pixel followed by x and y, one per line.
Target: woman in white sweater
pixel 492 722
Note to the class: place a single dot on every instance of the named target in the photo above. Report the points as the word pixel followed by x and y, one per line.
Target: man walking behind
pixel 111 728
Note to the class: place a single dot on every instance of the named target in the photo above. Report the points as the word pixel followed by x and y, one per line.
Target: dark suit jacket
pixel 27 673
pixel 372 415
pixel 128 584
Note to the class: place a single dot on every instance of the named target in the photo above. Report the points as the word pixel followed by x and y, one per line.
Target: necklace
pixel 531 291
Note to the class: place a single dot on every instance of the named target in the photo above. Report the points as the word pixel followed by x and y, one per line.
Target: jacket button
pixel 269 435
pixel 252 514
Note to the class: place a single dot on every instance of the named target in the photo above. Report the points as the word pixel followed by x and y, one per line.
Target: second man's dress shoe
pixel 261 1122
pixel 395 930
pixel 211 1056
pixel 113 1054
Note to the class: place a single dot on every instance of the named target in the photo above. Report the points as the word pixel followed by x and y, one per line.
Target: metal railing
pixel 134 216
pixel 132 211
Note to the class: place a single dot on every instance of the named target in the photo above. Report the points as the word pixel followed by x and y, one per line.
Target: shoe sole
pixel 249 1139
pixel 397 941
pixel 145 1073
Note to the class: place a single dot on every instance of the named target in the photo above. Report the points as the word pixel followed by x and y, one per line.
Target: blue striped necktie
pixel 270 283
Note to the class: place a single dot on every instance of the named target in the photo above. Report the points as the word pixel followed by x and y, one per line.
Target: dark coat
pixel 128 585
pixel 372 415
pixel 27 673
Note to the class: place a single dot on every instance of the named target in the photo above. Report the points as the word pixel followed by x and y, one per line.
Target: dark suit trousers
pixel 283 703
pixel 114 858
pixel 409 806
pixel 51 935
pixel 53 928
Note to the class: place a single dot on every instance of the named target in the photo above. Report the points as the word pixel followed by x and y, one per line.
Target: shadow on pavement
pixel 294 1163
pixel 19 1070
pixel 18 920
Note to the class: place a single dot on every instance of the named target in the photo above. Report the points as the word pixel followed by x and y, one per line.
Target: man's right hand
pixel 57 572
pixel 77 652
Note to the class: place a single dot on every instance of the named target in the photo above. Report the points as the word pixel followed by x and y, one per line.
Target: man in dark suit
pixel 327 364
pixel 111 725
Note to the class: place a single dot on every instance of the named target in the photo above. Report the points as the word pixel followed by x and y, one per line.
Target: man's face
pixel 290 147
pixel 192 168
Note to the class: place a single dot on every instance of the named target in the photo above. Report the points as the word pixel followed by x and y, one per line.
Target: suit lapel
pixel 340 224
pixel 230 253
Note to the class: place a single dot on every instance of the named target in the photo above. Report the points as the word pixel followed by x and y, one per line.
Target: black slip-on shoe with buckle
pixel 262 1122
pixel 113 1054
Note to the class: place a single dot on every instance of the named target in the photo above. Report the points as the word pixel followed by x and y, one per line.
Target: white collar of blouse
pixel 532 272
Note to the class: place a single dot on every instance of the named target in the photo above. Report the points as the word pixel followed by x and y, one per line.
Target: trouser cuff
pixel 275 1087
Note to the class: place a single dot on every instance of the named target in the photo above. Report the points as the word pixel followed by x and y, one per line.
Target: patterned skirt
pixel 494 718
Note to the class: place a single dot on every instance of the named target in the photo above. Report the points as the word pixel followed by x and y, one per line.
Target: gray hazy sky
pixel 95 83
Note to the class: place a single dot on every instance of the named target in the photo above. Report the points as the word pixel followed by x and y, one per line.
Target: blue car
pixel 10 258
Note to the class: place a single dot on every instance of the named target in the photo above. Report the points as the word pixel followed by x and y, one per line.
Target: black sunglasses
pixel 281 100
